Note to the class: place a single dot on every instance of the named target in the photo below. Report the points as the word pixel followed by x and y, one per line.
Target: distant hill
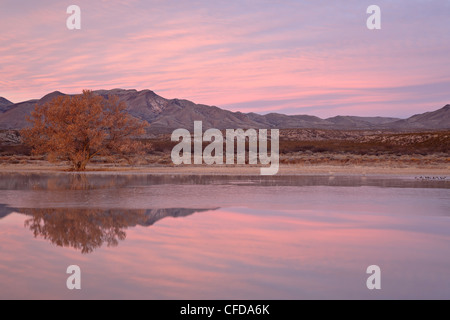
pixel 165 115
pixel 439 119
pixel 4 104
pixel 15 116
pixel 356 122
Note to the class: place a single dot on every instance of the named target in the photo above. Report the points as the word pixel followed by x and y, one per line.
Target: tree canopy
pixel 78 128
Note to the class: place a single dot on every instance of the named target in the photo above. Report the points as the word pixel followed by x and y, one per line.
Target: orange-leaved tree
pixel 78 128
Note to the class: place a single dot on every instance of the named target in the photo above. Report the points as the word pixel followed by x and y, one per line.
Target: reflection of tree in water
pixel 77 182
pixel 89 229
pixel 82 229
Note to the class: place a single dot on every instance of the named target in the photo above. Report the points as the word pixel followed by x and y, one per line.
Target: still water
pixel 222 237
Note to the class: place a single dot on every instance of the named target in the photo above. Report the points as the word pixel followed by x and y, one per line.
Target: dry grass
pixel 300 148
pixel 367 143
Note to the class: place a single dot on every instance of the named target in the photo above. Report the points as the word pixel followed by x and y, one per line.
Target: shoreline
pixel 285 170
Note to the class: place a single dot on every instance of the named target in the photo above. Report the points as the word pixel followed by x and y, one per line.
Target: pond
pixel 141 236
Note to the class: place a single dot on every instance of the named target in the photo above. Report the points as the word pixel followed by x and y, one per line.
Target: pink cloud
pixel 222 56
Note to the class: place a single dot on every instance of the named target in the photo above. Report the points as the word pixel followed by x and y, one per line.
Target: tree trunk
pixel 80 165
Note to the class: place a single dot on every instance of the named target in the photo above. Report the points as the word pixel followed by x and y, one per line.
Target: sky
pixel 285 56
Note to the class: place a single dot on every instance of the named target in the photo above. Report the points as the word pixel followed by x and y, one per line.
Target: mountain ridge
pixel 165 115
pixel 4 104
pixel 148 218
